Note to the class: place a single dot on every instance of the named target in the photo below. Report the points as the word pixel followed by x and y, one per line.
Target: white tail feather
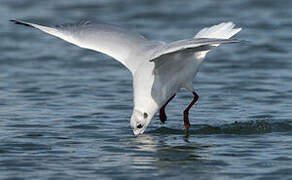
pixel 220 31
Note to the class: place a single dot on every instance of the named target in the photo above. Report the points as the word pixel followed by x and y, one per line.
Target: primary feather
pixel 220 31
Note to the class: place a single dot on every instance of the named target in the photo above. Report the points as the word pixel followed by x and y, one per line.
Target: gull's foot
pixel 186 111
pixel 187 136
pixel 186 120
pixel 162 115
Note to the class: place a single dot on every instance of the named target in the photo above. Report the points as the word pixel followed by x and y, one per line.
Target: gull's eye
pixel 145 115
pixel 139 126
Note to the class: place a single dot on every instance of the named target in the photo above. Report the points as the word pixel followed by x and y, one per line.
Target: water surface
pixel 65 111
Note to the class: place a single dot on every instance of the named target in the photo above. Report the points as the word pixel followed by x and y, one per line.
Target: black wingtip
pixel 20 23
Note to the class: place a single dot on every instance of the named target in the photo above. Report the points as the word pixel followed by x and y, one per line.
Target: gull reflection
pixel 146 146
pixel 146 142
pixel 152 152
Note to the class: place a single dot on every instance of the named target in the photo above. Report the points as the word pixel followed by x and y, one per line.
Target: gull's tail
pixel 220 31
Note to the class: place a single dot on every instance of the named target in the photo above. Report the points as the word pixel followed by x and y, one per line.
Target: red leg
pixel 162 115
pixel 186 111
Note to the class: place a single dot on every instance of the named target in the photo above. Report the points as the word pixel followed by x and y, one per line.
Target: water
pixel 65 111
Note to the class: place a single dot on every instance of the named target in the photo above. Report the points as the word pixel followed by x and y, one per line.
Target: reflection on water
pixel 147 145
pixel 145 142
pixel 158 152
pixel 163 155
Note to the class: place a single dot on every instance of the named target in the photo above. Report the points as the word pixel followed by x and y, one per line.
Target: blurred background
pixel 65 111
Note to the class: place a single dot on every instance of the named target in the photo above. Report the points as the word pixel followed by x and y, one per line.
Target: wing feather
pixel 111 40
pixel 199 44
pixel 196 48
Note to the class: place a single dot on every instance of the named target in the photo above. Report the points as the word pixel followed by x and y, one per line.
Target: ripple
pixel 250 127
pixel 65 111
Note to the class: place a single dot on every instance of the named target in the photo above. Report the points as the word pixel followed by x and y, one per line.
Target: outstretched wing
pixel 196 47
pixel 111 40
pixel 196 44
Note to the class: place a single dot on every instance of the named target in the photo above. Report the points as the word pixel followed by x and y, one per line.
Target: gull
pixel 159 69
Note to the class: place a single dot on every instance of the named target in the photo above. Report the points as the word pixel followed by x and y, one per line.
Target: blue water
pixel 64 111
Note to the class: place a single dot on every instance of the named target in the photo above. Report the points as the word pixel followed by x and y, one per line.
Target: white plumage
pixel 159 69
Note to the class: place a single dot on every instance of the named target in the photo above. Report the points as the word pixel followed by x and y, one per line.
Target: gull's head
pixel 139 121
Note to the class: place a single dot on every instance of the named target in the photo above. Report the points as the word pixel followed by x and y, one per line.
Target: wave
pixel 250 127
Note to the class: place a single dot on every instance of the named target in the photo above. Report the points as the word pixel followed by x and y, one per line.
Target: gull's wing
pixel 196 47
pixel 111 40
pixel 197 44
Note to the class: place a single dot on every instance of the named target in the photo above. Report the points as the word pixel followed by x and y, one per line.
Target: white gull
pixel 159 69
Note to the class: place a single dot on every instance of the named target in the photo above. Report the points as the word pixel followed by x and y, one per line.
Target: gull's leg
pixel 186 111
pixel 162 115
